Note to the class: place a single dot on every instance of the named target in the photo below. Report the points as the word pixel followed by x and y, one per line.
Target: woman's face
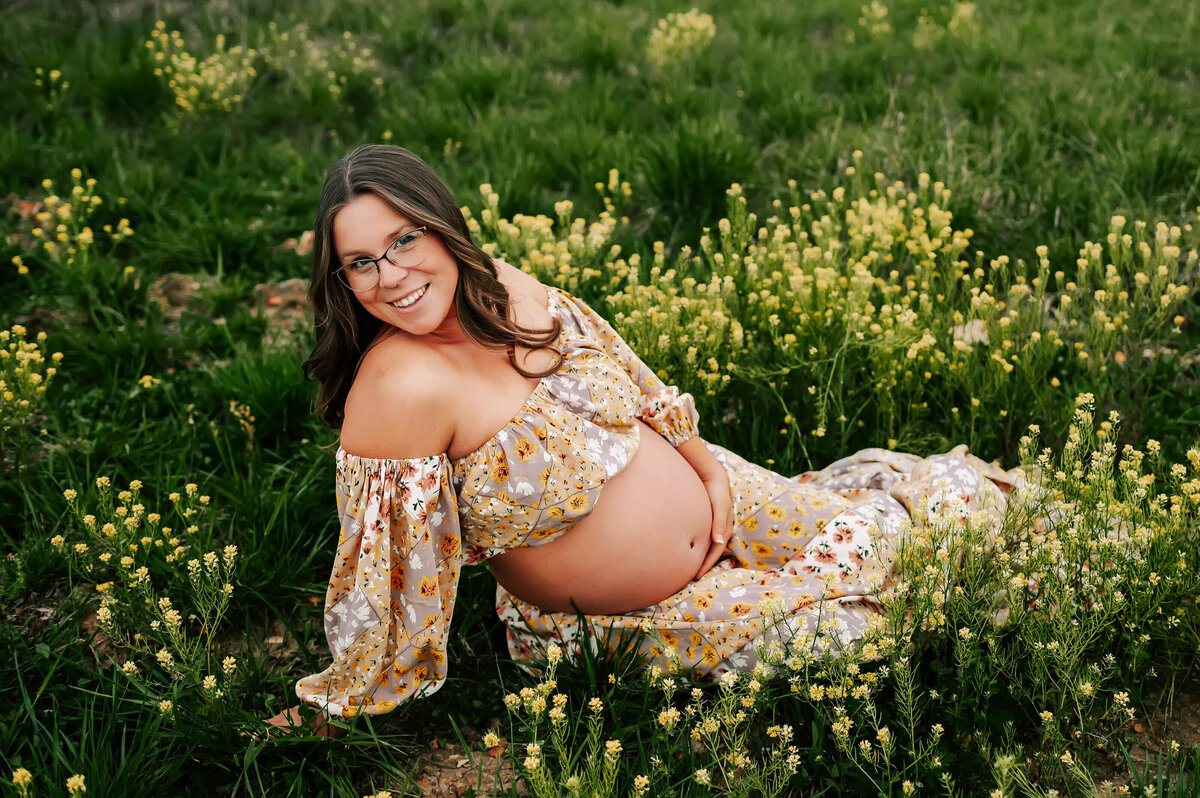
pixel 416 293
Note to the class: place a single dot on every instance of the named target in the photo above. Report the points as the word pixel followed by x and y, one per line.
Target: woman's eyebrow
pixel 389 238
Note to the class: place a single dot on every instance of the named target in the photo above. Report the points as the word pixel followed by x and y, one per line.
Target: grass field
pixel 839 225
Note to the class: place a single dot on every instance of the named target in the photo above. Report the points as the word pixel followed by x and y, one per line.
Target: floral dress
pixel 804 553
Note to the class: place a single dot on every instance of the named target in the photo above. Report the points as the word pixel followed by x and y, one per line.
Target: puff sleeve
pixel 394 582
pixel 667 411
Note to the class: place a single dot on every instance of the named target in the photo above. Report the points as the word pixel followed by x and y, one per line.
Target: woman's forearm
pixel 701 459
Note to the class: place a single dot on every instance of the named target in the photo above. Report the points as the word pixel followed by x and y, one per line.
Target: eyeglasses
pixel 362 274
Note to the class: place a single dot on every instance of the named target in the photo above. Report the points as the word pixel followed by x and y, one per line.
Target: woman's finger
pixel 720 539
pixel 722 529
pixel 714 553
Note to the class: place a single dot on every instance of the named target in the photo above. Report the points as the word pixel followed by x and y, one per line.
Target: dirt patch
pixel 448 770
pixel 1172 714
pixel 283 304
pixel 30 611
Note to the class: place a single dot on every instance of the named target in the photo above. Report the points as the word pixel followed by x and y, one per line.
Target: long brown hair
pixel 344 330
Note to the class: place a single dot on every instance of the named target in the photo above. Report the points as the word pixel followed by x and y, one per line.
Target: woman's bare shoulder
pixel 402 403
pixel 528 296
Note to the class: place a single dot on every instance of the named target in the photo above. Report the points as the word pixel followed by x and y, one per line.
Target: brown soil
pixel 283 304
pixel 448 770
pixel 1173 713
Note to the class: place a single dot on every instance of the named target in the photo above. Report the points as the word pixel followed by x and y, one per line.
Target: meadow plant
pixel 24 377
pixel 552 763
pixel 57 229
pixel 874 19
pixel 864 308
pixel 721 726
pixel 933 28
pixel 218 82
pixel 679 38
pixel 1173 773
pixel 1047 624
pixel 692 738
pixel 163 590
pixel 21 779
pixel 245 420
pixel 52 85
pixel 316 67
pixel 964 21
pixel 568 252
pixel 1050 622
pixel 928 34
pixel 1056 616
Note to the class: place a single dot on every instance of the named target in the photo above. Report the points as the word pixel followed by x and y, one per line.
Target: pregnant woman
pixel 486 418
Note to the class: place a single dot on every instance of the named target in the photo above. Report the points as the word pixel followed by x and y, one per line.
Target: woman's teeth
pixel 411 298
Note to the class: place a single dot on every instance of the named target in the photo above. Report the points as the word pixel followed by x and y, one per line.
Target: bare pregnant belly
pixel 643 541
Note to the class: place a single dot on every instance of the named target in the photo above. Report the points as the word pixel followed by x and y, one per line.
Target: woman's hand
pixel 722 526
pixel 716 484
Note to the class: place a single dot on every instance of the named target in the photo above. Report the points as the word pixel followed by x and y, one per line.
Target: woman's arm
pixel 716 484
pixel 673 416
pixel 663 407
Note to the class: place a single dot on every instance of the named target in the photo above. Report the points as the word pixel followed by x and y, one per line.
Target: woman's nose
pixel 390 274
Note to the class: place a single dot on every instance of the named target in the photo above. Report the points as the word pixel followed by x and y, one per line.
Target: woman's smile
pixel 410 299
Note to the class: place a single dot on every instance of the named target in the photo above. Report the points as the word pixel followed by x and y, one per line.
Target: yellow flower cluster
pixel 874 18
pixel 124 548
pixel 963 24
pixel 219 81
pixel 592 771
pixel 716 728
pixel 58 227
pixel 52 85
pixel 245 419
pixel 317 63
pixel 680 37
pixel 21 779
pixel 866 289
pixel 128 534
pixel 214 83
pixel 24 376
pixel 1086 551
pixel 564 252
pixel 721 725
pixel 799 288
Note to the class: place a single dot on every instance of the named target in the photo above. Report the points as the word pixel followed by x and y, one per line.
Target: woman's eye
pixel 407 240
pixel 360 266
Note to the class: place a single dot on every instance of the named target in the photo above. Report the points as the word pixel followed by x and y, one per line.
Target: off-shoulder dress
pixel 806 557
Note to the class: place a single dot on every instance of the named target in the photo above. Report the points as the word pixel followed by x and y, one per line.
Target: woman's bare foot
pixel 290 719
